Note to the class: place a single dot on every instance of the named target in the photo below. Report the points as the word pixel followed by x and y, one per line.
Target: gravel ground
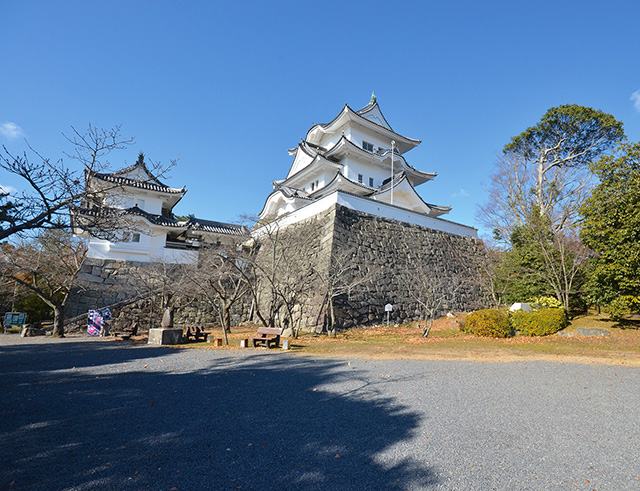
pixel 93 415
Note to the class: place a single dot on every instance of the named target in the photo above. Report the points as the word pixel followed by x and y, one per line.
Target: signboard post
pixel 388 309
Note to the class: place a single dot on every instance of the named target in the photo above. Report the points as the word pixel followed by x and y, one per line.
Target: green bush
pixel 538 322
pixel 488 322
pixel 547 303
pixel 624 305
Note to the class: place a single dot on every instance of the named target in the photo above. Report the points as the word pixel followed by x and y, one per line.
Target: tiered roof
pixel 369 116
pixel 123 177
pixel 149 182
pixel 134 183
pixel 309 157
pixel 170 221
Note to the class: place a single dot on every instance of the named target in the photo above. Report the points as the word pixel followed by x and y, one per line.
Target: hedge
pixel 547 303
pixel 624 305
pixel 538 322
pixel 488 322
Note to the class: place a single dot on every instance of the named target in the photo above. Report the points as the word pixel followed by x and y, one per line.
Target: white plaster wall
pixel 373 208
pixel 328 140
pixel 358 133
pixel 300 161
pixel 149 202
pixel 152 240
pixel 151 250
pixel 323 177
pixel 151 244
pixel 354 166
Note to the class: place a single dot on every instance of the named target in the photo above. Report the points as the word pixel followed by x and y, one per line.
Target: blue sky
pixel 227 87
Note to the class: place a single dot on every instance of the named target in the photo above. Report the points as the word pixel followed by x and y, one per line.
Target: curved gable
pixel 373 113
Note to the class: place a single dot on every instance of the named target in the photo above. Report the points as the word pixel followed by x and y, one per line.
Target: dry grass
pixel 446 341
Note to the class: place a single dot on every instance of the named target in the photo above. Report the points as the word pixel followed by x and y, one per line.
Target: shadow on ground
pixel 251 422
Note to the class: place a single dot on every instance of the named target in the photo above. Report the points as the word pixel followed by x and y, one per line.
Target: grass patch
pixel 446 341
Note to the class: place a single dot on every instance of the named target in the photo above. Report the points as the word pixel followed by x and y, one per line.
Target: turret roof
pixel 152 183
pixel 171 221
pixel 360 116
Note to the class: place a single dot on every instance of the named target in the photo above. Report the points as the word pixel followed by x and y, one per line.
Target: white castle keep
pixel 357 161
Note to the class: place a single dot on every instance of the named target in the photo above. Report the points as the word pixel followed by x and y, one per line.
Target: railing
pixel 171 244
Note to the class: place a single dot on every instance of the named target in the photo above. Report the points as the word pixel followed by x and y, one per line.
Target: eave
pixel 402 184
pixel 404 143
pixel 288 195
pixel 342 183
pixel 169 222
pixel 317 162
pixel 345 145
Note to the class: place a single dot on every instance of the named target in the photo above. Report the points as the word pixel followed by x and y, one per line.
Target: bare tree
pixel 546 167
pixel 221 279
pixel 50 189
pixel 563 257
pixel 513 194
pixel 165 281
pixel 510 197
pixel 341 278
pixel 48 266
pixel 490 280
pixel 434 284
pixel 285 269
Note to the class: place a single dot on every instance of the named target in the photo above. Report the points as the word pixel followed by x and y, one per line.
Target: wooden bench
pixel 269 337
pixel 123 331
pixel 195 334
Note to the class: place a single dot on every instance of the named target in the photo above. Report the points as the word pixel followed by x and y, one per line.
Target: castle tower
pixel 360 155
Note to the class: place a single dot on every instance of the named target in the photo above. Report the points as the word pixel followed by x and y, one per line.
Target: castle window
pixel 367 146
pixel 371 182
pixel 360 178
pixel 313 186
pixel 130 237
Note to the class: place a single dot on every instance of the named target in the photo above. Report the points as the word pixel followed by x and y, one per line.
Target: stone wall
pixel 109 283
pixel 383 250
pixel 386 249
pixel 305 249
pixel 389 254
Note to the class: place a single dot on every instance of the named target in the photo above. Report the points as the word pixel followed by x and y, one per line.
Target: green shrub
pixel 624 305
pixel 538 322
pixel 488 322
pixel 547 303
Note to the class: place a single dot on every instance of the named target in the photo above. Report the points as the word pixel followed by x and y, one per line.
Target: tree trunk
pixel 565 301
pixel 58 321
pixel 427 329
pixel 226 323
pixel 539 185
pixel 332 313
pixel 167 318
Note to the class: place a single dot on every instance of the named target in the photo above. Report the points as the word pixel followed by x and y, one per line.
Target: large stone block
pixel 160 336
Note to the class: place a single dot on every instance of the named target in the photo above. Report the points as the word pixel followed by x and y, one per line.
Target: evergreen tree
pixel 611 226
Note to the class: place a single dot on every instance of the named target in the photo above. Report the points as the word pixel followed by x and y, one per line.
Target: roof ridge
pixel 127 181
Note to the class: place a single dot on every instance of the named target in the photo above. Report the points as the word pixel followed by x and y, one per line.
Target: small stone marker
pixel 591 331
pixel 285 344
pixel 525 307
pixel 244 343
pixel 28 331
